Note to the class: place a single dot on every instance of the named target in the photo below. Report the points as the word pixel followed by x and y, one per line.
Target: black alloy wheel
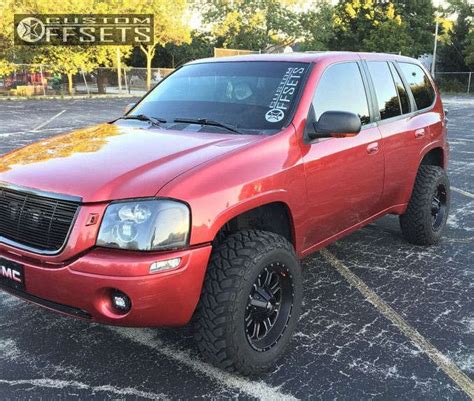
pixel 269 307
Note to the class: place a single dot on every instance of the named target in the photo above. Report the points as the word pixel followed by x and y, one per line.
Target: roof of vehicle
pixel 307 57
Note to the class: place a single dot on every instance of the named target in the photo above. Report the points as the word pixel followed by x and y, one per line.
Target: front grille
pixel 34 221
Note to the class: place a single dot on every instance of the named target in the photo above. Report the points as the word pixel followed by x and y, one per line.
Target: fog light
pixel 121 302
pixel 165 265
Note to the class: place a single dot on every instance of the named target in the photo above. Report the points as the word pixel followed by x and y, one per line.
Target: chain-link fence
pixel 455 82
pixel 39 80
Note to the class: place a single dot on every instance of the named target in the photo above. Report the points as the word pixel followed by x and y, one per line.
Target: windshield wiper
pixel 205 121
pixel 143 117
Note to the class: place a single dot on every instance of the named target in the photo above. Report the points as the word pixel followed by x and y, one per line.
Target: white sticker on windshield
pixel 274 115
pixel 284 94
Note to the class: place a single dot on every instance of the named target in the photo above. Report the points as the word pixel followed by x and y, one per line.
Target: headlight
pixel 145 225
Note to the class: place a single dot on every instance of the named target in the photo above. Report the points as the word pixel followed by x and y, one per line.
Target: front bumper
pixel 83 287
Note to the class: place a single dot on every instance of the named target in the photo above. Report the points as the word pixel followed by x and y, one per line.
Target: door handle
pixel 373 148
pixel 420 133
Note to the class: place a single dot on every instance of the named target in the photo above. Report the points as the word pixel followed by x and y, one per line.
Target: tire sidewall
pixel 236 332
pixel 442 179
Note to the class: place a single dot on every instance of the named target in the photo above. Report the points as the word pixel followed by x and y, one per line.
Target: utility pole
pixel 119 70
pixel 433 64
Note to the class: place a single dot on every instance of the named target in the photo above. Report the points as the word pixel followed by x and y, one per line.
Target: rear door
pixel 402 95
pixel 344 176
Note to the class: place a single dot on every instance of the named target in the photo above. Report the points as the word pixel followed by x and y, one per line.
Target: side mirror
pixel 338 124
pixel 128 107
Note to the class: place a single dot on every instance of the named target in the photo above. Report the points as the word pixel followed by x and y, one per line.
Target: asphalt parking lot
pixel 382 319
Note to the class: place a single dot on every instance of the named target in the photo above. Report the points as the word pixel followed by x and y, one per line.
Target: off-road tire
pixel 219 323
pixel 417 223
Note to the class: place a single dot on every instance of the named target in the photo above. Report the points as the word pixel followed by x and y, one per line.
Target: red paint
pixel 162 299
pixel 331 187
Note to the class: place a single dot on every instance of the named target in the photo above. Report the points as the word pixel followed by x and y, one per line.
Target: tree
pixel 469 52
pixel 170 26
pixel 390 36
pixel 172 55
pixel 6 68
pixel 67 60
pixel 419 18
pixel 454 51
pixel 317 28
pixel 252 24
pixel 64 59
pixel 370 25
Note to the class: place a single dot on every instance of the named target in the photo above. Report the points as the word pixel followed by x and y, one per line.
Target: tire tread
pixel 414 221
pixel 226 269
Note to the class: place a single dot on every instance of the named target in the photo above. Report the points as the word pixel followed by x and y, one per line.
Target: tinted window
pixel 402 93
pixel 255 97
pixel 420 85
pixel 341 89
pixel 387 97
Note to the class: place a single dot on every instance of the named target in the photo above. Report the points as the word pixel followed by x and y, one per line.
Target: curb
pixel 59 97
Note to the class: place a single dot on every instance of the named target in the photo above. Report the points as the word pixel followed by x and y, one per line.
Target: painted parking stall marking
pixel 254 389
pixel 48 121
pixel 442 361
pixel 462 192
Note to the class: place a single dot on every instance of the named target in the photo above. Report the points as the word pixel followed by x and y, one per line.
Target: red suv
pixel 198 204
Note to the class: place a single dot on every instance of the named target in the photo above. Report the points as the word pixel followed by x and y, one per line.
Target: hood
pixel 111 161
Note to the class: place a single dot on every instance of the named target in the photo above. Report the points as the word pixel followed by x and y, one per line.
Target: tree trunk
pixel 149 51
pixel 101 81
pixel 69 81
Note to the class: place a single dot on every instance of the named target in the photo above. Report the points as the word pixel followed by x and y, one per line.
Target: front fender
pixel 268 171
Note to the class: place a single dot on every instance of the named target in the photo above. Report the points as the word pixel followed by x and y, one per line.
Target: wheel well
pixel 434 157
pixel 274 217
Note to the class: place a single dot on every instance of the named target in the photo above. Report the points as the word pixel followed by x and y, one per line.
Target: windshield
pixel 252 96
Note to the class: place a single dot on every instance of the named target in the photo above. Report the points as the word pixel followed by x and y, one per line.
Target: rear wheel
pixel 427 212
pixel 250 303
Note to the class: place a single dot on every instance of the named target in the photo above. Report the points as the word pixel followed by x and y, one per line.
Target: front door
pixel 344 176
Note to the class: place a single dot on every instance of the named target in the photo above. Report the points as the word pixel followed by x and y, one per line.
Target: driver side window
pixel 341 89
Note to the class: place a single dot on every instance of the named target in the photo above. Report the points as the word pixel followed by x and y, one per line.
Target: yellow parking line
pixel 442 361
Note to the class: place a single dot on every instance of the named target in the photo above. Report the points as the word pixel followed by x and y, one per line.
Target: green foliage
pixel 6 68
pixel 454 54
pixel 418 16
pixel 173 55
pixel 469 52
pixel 169 26
pixel 317 28
pixel 395 26
pixel 252 24
pixel 370 25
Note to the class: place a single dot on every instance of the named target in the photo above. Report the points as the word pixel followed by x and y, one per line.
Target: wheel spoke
pixel 275 287
pixel 268 278
pixel 268 324
pixel 267 307
pixel 249 321
pixel 256 330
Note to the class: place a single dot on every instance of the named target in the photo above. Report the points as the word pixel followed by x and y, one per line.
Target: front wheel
pixel 250 303
pixel 427 212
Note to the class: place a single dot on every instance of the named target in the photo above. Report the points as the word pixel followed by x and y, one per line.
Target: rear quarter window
pixel 419 83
